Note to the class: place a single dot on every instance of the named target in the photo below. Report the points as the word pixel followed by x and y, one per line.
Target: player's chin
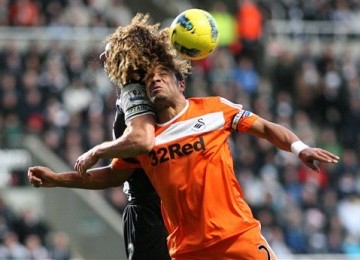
pixel 155 92
pixel 155 95
pixel 158 99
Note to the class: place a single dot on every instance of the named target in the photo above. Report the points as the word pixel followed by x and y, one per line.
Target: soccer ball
pixel 194 34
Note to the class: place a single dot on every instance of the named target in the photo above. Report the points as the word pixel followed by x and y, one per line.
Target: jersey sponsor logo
pixel 176 150
pixel 197 125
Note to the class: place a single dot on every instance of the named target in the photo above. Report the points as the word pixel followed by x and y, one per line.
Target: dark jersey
pixel 138 185
pixel 144 230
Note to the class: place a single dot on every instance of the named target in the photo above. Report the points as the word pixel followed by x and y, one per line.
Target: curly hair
pixel 164 53
pixel 135 49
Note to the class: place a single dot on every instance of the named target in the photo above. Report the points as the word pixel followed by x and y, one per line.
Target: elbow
pixel 141 132
pixel 146 148
pixel 144 142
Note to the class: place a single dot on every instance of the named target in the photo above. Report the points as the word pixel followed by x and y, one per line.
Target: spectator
pixel 249 20
pixel 35 247
pixel 351 245
pixel 294 232
pixel 11 248
pixel 4 5
pixel 13 131
pixel 8 216
pixel 76 14
pixel 59 247
pixel 278 244
pixel 29 223
pixel 225 22
pixel 117 13
pixel 24 13
pixel 246 77
pixel 349 210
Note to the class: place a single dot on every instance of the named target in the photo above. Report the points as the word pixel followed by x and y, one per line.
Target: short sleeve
pixel 240 119
pixel 134 101
pixel 122 164
pixel 243 120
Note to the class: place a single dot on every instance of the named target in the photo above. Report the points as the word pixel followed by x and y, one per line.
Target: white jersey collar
pixel 177 116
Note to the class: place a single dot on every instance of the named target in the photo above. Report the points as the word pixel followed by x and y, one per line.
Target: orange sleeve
pixel 239 120
pixel 243 120
pixel 120 164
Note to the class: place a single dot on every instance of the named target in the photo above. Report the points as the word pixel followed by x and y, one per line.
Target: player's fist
pixel 41 177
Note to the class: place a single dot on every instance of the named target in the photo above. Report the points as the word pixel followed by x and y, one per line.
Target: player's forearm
pixel 71 180
pixel 131 144
pixel 280 136
pixel 98 178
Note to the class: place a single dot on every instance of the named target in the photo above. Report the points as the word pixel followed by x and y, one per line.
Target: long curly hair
pixel 135 49
pixel 164 53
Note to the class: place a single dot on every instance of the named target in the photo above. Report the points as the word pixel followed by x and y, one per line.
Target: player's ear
pixel 103 56
pixel 182 85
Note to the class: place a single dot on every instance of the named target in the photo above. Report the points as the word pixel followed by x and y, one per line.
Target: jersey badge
pixel 199 125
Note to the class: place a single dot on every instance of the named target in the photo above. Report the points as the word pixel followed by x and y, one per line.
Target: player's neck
pixel 169 111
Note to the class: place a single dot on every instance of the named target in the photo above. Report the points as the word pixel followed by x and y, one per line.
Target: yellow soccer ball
pixel 194 34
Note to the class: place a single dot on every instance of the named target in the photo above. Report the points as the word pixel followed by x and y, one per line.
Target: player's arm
pixel 286 140
pixel 138 138
pixel 97 178
pixel 278 135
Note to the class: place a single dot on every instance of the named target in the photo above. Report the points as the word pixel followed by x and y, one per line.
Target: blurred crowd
pixel 112 13
pixel 63 96
pixel 316 10
pixel 59 13
pixel 24 235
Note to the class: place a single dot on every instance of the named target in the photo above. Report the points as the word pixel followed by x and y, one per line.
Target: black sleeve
pixel 119 124
pixel 119 127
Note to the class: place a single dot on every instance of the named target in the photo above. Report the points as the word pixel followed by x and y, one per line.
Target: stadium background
pixel 294 62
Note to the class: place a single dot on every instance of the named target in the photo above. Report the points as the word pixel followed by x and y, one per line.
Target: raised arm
pixel 97 178
pixel 125 64
pixel 136 134
pixel 286 140
pixel 138 138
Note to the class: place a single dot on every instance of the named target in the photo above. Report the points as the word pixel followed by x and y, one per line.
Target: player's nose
pixel 156 77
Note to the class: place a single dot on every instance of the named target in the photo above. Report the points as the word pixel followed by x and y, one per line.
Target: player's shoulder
pixel 204 100
pixel 212 101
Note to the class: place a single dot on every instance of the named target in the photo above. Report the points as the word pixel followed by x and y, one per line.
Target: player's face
pixel 164 86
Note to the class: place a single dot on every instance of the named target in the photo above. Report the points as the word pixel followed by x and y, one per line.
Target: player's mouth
pixel 155 89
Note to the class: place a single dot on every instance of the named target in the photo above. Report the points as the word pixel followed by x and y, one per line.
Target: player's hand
pixel 86 161
pixel 41 177
pixel 310 155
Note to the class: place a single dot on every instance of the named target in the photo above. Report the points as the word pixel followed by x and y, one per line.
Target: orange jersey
pixel 191 168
